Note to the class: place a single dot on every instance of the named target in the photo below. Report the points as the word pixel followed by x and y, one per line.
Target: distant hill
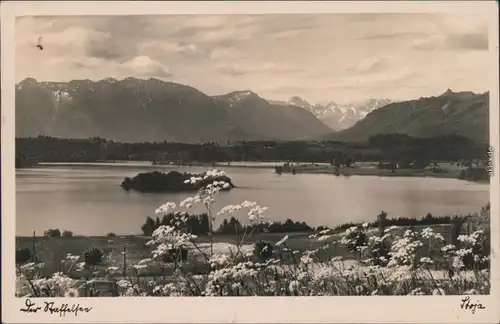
pixel 254 115
pixel 136 110
pixel 452 113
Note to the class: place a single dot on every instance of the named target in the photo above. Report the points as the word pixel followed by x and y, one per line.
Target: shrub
pixel 67 233
pixel 52 233
pixel 263 250
pixel 355 239
pixel 93 256
pixel 111 235
pixel 175 255
pixel 23 255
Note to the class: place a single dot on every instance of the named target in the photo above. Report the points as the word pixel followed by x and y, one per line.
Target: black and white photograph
pixel 214 154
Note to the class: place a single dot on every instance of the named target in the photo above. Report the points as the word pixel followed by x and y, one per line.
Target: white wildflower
pixel 293 286
pixel 389 229
pixel 324 237
pixel 165 208
pixel 71 292
pixel 283 240
pixel 438 291
pixel 124 284
pixel 426 260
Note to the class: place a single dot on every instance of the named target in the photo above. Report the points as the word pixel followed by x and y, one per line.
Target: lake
pixel 88 200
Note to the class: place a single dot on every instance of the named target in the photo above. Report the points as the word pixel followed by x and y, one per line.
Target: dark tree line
pixel 405 221
pixel 199 225
pixel 57 233
pixel 389 147
pixel 403 149
pixel 195 224
pixel 233 226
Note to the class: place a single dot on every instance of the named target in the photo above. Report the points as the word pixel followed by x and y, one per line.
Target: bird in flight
pixel 39 45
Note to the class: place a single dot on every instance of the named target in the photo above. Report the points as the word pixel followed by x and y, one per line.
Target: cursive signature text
pixel 53 308
pixel 467 304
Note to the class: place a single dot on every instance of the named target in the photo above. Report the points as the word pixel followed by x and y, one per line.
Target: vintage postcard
pixel 250 162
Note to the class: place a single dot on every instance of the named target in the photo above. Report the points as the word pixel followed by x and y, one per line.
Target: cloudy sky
pixel 340 57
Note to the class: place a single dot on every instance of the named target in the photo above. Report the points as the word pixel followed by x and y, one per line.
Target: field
pixel 51 250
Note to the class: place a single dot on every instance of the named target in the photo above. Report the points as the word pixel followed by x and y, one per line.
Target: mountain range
pixel 338 116
pixel 137 110
pixel 452 113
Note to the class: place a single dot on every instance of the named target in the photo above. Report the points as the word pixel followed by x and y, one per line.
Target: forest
pixel 397 148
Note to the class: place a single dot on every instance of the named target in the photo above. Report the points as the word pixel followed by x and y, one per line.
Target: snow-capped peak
pixel 237 96
pixel 340 116
pixel 110 80
pixel 299 102
pixel 243 94
pixel 61 95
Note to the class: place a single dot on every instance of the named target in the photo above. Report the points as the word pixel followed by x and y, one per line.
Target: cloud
pixel 469 41
pixel 89 63
pixel 144 66
pixel 285 34
pixel 222 53
pixel 320 57
pixel 224 36
pixel 370 65
pixel 162 49
pixel 392 35
pixel 73 40
pixel 242 68
pixel 139 66
pixel 111 49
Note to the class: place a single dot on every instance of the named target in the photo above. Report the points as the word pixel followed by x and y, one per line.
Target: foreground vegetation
pixel 364 259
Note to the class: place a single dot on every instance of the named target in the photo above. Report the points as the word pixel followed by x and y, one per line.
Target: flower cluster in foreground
pixel 385 261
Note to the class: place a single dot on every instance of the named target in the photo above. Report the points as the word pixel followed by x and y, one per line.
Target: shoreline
pixel 374 171
pixel 301 168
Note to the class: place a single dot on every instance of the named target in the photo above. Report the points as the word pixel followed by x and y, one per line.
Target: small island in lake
pixel 173 181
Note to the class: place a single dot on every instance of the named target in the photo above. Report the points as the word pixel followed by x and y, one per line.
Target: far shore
pixel 300 168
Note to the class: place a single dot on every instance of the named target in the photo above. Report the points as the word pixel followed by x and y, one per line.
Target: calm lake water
pixel 88 199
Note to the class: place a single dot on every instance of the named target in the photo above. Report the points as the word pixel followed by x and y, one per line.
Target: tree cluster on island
pixel 172 181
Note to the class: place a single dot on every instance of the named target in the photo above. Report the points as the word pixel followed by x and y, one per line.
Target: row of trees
pixel 389 147
pixel 382 220
pixel 57 233
pixel 92 256
pixel 195 224
pixel 199 225
pixel 474 174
